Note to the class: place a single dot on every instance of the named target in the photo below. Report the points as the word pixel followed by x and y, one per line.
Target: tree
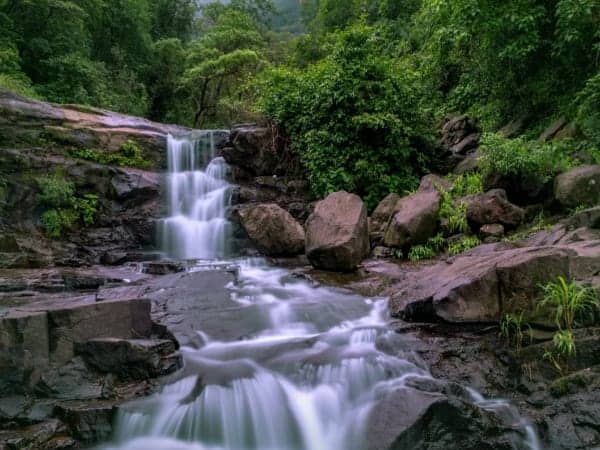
pixel 353 117
pixel 228 53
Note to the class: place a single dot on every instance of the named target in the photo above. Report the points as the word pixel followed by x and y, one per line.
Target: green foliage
pixel 56 221
pixel 452 214
pixel 519 159
pixel 464 244
pixel 501 60
pixel 512 326
pixel 56 192
pixel 129 155
pixel 87 207
pixel 420 253
pixel 466 184
pixel 569 302
pixel 228 54
pixel 563 347
pixel 353 117
pixel 63 208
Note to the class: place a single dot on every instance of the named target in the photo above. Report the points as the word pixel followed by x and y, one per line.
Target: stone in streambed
pixel 337 235
pixel 131 359
pixel 272 229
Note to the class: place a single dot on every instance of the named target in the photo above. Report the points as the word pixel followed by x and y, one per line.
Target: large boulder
pixel 337 235
pixel 415 221
pixel 272 229
pixel 578 186
pixel 483 285
pixel 437 415
pixel 382 213
pixel 493 207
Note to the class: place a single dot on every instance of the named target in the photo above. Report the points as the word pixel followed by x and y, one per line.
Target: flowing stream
pixel 307 381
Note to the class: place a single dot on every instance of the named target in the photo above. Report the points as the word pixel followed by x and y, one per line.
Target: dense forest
pixel 359 86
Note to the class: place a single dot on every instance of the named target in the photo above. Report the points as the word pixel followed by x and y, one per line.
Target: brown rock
pixel 416 220
pixel 578 186
pixel 382 213
pixel 493 207
pixel 494 230
pixel 337 233
pixel 272 229
pixel 484 285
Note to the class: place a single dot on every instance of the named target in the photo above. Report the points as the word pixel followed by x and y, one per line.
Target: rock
pixel 337 233
pixel 434 183
pixel 549 133
pixel 272 229
pixel 131 359
pixel 469 164
pixel 456 129
pixel 33 341
pixel 569 131
pixel 493 207
pixel 578 186
pixel 380 252
pixel 89 423
pixel 494 230
pixel 482 286
pixel 459 137
pixel 383 212
pixel 259 151
pixel 513 128
pixel 26 121
pixel 134 184
pixel 449 422
pixel 415 222
pixel 471 142
pixel 164 267
pixel 396 413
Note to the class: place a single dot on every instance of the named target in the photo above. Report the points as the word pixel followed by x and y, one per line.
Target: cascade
pixel 198 195
pixel 308 379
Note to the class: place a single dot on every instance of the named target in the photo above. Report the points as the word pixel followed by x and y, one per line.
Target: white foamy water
pixel 198 195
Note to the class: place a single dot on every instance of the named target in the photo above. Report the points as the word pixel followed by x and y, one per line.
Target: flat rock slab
pixel 31 340
pixel 132 359
pixel 483 285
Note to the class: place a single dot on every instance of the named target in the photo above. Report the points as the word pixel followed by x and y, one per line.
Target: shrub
pixel 63 208
pixel 55 221
pixel 87 208
pixel 454 216
pixel 353 117
pixel 519 159
pixel 57 192
pixel 570 303
pixel 129 155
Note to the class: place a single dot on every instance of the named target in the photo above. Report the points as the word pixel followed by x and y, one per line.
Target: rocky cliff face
pixel 87 148
pixel 38 140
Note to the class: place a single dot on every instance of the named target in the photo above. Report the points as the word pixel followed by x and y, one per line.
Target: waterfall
pixel 198 195
pixel 316 364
